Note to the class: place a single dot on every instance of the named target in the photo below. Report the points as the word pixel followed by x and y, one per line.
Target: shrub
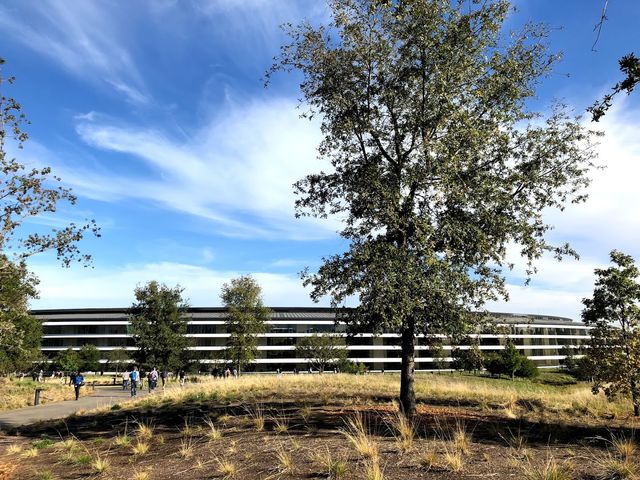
pixel 527 369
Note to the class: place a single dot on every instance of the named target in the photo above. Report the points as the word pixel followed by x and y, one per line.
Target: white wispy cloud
pixel 86 38
pixel 236 171
pixel 607 221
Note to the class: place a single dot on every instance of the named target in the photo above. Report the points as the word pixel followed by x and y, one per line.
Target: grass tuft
pixel 144 431
pixel 142 474
pixel 226 468
pixel 356 434
pixel 403 431
pixel 31 452
pixel 187 448
pixel 454 461
pixel 286 464
pixel 140 448
pixel 101 465
pixel 551 470
pixel 122 440
pixel 214 433
pixel 15 448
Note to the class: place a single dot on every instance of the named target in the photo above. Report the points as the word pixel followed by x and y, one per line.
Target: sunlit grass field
pixel 551 394
pixel 15 393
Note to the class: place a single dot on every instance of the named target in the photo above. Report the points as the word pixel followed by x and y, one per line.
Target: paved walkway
pixel 102 396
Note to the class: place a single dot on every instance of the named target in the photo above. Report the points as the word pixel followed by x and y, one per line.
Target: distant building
pixel 540 337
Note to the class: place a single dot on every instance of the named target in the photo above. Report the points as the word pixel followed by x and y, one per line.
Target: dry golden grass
pixel 286 463
pixel 213 433
pixel 187 448
pixel 226 468
pixel 140 448
pixel 551 470
pixel 142 474
pixel 461 439
pixel 14 448
pixel 373 470
pixel 357 434
pixel 16 393
pixel 144 431
pixel 403 431
pixel 428 459
pixel 454 461
pixel 101 465
pixel 500 395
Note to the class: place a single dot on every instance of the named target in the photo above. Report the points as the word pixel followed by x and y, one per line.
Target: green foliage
pixel 67 360
pixel 527 369
pixel 510 359
pixel 348 366
pixel 469 360
pixel 245 319
pixel 117 358
pixel 510 362
pixel 20 333
pixel 89 358
pixel 29 192
pixel 569 361
pixel 321 350
pixel 630 66
pixel 614 314
pixel 436 164
pixel 159 326
pixel 436 352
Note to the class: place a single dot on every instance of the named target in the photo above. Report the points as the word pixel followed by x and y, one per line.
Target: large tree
pixel 20 332
pixel 159 326
pixel 117 358
pixel 246 318
pixel 319 351
pixel 437 162
pixel 89 358
pixel 613 311
pixel 67 360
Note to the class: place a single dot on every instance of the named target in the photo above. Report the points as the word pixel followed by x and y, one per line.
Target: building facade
pixel 539 337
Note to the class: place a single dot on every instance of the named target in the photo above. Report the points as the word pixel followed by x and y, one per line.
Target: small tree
pixel 20 332
pixel 159 326
pixel 319 351
pixel 67 360
pixel 245 319
pixel 511 359
pixel 438 357
pixel 116 358
pixel 474 358
pixel 569 361
pixel 89 358
pixel 613 313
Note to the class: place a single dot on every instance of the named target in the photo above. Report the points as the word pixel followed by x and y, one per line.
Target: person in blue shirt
pixel 134 377
pixel 78 381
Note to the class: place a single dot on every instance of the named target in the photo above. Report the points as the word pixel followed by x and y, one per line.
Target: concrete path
pixel 102 396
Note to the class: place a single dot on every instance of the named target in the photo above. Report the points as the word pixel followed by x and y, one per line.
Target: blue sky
pixel 155 113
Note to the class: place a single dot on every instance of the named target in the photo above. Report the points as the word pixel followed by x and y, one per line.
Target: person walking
pixel 181 377
pixel 153 376
pixel 78 381
pixel 134 381
pixel 125 379
pixel 141 377
pixel 165 377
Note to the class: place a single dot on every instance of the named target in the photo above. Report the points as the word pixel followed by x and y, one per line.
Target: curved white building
pixel 539 337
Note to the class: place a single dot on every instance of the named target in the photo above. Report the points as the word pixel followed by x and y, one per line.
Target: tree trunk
pixel 407 373
pixel 635 398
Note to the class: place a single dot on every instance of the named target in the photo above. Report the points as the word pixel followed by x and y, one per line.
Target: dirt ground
pixel 303 442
